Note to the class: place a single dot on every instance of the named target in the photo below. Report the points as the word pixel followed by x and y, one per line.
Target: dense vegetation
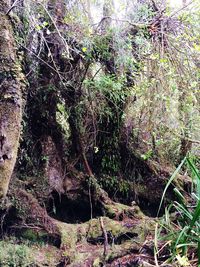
pixel 99 133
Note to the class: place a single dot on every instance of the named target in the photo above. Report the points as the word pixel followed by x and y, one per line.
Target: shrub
pixel 15 255
pixel 180 227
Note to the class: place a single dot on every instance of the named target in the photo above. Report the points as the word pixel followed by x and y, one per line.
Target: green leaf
pixel 169 182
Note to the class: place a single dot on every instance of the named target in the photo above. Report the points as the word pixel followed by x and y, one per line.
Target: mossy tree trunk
pixel 11 84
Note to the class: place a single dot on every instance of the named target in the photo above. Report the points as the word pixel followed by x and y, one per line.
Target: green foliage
pixel 102 46
pixel 111 88
pixel 62 119
pixel 182 231
pixel 15 255
pixel 142 14
pixel 39 112
pixel 115 186
pixel 27 163
pixel 34 236
pixel 113 94
pixel 147 155
pixel 110 163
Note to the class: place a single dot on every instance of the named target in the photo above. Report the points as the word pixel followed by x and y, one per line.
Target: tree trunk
pixel 11 86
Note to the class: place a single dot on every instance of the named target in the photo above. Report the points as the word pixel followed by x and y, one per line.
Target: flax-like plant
pixel 180 227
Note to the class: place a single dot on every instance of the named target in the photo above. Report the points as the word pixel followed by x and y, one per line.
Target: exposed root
pixel 85 242
pixel 88 238
pixel 110 208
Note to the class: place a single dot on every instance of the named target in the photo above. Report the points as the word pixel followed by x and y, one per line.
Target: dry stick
pixel 90 174
pixel 96 73
pixel 56 27
pixel 139 25
pixel 90 199
pixel 49 52
pixel 43 61
pixel 183 137
pixel 62 78
pixel 10 9
pixel 182 8
pixel 87 169
pixel 105 235
pixel 156 246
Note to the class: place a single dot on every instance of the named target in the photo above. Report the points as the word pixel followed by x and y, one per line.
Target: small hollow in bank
pixel 70 210
pixel 8 220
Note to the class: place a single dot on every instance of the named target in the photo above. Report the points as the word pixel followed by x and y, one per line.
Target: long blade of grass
pixel 186 213
pixel 193 168
pixel 196 173
pixel 198 253
pixel 180 236
pixel 195 197
pixel 186 244
pixel 196 215
pixel 169 182
pixel 156 245
pixel 183 210
pixel 167 214
pixel 180 197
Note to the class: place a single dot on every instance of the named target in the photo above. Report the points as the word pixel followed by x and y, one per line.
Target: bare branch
pixel 13 6
pixel 105 235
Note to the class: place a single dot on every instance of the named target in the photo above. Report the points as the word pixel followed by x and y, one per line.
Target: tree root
pixel 85 242
pixel 110 208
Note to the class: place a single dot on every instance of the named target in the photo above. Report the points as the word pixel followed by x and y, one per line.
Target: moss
pixel 137 230
pixel 20 253
pixel 118 210
pixel 121 250
pixel 114 186
pixel 68 235
pixel 34 235
pixel 11 103
pixel 12 132
pixel 109 211
pixel 97 262
pixel 30 234
pixel 12 254
pixel 62 119
pixel 94 229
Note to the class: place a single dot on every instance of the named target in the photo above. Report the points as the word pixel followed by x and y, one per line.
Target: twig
pixel 155 6
pixel 61 37
pixel 13 5
pixel 180 9
pixel 139 25
pixel 183 137
pixel 90 199
pixel 156 246
pixel 105 235
pixel 43 61
pixel 49 53
pixel 96 73
pixel 26 226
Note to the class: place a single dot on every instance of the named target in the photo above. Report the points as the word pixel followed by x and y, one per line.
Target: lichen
pixel 68 235
pixel 10 104
pixel 62 119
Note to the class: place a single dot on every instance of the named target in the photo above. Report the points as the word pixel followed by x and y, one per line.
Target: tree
pixel 12 85
pixel 104 122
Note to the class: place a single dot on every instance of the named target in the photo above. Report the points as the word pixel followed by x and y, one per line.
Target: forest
pixel 99 133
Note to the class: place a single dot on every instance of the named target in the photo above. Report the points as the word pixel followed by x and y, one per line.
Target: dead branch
pixel 105 235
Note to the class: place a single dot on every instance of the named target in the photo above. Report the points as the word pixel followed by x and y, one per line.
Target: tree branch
pixel 13 6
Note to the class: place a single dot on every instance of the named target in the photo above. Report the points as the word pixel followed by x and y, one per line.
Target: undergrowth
pixel 178 232
pixel 15 255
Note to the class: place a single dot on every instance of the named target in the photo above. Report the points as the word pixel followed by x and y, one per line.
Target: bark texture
pixel 11 79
